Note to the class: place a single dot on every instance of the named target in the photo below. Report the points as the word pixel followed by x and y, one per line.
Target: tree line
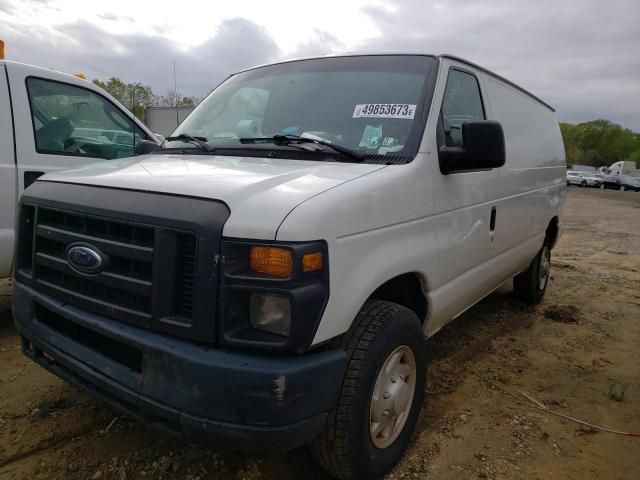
pixel 599 143
pixel 137 97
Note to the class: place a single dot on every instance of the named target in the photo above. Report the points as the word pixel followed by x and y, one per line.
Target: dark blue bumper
pixel 248 401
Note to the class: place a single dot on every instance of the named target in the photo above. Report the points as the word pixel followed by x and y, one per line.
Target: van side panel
pixel 535 168
pixel 8 196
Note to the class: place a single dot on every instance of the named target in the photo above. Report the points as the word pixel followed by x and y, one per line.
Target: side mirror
pixel 482 148
pixel 145 146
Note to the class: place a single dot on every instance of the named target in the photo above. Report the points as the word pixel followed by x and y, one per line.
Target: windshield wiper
pixel 201 142
pixel 288 139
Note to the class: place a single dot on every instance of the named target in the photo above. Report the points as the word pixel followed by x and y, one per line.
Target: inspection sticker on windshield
pixel 384 110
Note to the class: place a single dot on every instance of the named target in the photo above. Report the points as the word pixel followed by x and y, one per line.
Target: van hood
pixel 260 192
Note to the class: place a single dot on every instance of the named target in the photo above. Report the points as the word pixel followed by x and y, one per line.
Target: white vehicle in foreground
pixel 51 121
pixel 268 276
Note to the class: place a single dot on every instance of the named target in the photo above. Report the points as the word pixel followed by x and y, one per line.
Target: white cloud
pixel 581 56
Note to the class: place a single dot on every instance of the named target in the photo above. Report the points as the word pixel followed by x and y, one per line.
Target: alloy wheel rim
pixel 543 273
pixel 392 397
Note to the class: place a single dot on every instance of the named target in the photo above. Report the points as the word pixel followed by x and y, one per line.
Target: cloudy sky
pixel 582 56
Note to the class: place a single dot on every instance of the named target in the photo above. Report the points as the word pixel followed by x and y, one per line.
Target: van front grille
pixel 186 266
pixel 146 259
pixel 124 288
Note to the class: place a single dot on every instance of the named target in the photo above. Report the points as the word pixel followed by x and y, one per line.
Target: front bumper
pixel 248 401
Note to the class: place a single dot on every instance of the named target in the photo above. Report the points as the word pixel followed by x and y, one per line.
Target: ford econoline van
pixel 268 276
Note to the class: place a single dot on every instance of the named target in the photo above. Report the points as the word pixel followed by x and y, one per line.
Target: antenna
pixel 175 92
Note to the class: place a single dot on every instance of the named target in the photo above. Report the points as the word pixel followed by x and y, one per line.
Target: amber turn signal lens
pixel 312 262
pixel 271 260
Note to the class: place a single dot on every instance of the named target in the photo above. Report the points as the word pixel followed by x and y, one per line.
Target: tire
pixel 622 188
pixel 583 184
pixel 345 446
pixel 530 285
pixel 602 186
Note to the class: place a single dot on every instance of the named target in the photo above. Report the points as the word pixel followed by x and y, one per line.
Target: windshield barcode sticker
pixel 384 110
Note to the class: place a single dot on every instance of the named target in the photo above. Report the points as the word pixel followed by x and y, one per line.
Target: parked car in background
pixel 593 179
pixel 576 178
pixel 584 179
pixel 635 183
pixel 621 182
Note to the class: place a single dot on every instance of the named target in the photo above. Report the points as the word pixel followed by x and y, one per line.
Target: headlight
pixel 272 293
pixel 270 312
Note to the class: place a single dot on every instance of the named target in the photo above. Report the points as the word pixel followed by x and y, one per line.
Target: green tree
pixel 134 96
pixel 598 143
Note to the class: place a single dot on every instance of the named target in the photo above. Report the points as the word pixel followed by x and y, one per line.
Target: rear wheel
pixel 381 395
pixel 530 285
pixel 583 184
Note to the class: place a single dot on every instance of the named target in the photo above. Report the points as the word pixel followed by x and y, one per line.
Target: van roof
pixel 451 57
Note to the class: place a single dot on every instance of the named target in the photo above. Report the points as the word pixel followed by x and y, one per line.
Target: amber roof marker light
pixel 1 49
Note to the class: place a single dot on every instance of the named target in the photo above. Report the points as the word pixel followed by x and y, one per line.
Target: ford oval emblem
pixel 85 259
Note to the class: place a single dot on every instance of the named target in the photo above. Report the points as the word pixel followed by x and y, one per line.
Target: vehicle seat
pixel 53 135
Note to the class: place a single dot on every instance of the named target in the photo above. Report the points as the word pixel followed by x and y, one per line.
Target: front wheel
pixel 383 388
pixel 583 184
pixel 530 285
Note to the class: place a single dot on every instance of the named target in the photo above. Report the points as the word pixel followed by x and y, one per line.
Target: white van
pixel 268 276
pixel 51 121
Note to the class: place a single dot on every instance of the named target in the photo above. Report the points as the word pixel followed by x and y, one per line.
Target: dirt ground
pixel 577 353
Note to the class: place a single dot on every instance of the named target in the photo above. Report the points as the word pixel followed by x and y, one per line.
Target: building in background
pixel 164 120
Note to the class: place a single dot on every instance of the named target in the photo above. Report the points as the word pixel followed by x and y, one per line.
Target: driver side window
pixel 70 120
pixel 461 103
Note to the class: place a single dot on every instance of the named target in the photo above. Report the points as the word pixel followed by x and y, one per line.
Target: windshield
pixel 374 105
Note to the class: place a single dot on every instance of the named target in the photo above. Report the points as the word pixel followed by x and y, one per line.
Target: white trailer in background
pixel 164 120
pixel 624 168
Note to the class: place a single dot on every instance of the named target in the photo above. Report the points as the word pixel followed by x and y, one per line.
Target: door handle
pixel 492 222
pixel 30 177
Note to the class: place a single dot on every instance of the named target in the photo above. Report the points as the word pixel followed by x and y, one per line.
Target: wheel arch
pixel 406 289
pixel 553 232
